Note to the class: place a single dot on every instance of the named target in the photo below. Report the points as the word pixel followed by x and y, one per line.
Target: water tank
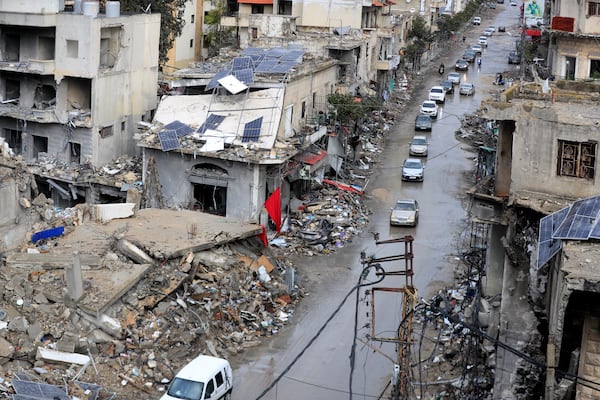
pixel 91 8
pixel 113 9
pixel 78 7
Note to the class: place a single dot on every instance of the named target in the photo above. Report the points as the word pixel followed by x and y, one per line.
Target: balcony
pixel 40 67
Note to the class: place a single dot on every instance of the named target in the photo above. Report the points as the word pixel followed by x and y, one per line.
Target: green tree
pixel 347 108
pixel 216 35
pixel 171 20
pixel 421 38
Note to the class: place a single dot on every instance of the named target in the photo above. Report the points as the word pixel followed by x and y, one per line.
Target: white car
pixel 405 212
pixel 477 21
pixel 454 77
pixel 437 94
pixel 429 107
pixel 418 146
pixel 488 32
pixel 413 170
pixel 477 48
pixel 483 41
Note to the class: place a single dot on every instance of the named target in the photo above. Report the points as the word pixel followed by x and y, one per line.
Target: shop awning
pixel 391 1
pixel 377 4
pixel 310 157
pixel 533 32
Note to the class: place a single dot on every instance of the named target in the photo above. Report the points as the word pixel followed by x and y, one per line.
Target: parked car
pixel 429 107
pixel 461 65
pixel 477 48
pixel 513 3
pixel 204 377
pixel 405 213
pixel 492 28
pixel 467 89
pixel 488 32
pixel 501 28
pixel 469 55
pixel 493 6
pixel 476 20
pixel 483 41
pixel 514 57
pixel 437 94
pixel 454 77
pixel 448 85
pixel 423 123
pixel 418 146
pixel 413 170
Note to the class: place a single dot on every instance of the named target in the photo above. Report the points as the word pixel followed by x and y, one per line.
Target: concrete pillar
pixel 494 271
pixel 74 278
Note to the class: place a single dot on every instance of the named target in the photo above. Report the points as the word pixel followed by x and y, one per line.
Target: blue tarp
pixel 48 233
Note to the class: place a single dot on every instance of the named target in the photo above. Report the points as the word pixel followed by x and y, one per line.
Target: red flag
pixel 273 206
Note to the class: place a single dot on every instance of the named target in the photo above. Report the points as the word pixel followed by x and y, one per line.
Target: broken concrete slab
pixel 108 212
pixel 62 357
pixel 50 260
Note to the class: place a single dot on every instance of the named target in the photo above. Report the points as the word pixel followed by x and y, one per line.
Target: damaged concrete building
pixel 540 262
pixel 58 105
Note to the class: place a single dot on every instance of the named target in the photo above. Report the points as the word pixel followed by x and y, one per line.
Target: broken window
pixel 209 184
pixel 75 152
pixel 107 131
pixel 45 97
pixel 303 112
pixel 595 69
pixel 12 47
pixel 254 33
pixel 109 46
pixel 72 48
pixel 45 49
pixel 14 139
pixel 40 145
pixel 258 9
pixel 12 91
pixel 576 159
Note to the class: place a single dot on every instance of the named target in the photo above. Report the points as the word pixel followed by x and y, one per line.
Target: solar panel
pixel 252 130
pixel 252 50
pixel 246 76
pixel 266 66
pixel 275 52
pixel 547 245
pixel 257 58
pixel 214 82
pixel 212 122
pixel 40 391
pixel 240 63
pixel 284 67
pixel 293 55
pixel 580 221
pixel 168 140
pixel 179 127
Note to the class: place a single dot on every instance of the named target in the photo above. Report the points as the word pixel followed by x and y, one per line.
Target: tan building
pixel 188 47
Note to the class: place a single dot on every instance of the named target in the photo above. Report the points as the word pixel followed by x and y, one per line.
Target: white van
pixel 203 378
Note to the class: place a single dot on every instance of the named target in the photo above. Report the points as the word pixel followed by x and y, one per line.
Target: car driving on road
pixel 461 65
pixel 466 89
pixel 405 213
pixel 454 77
pixel 448 86
pixel 514 58
pixel 437 94
pixel 423 123
pixel 418 146
pixel 429 107
pixel 413 170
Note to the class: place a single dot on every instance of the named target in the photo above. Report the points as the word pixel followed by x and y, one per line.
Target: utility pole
pixel 403 338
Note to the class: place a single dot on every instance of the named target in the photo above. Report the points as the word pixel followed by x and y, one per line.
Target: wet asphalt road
pixel 323 371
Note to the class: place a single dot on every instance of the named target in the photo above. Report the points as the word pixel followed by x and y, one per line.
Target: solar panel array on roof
pixel 257 59
pixel 275 52
pixel 547 245
pixel 293 55
pixel 242 63
pixel 178 127
pixel 246 76
pixel 212 122
pixel 252 50
pixel 266 66
pixel 214 82
pixel 168 140
pixel 252 130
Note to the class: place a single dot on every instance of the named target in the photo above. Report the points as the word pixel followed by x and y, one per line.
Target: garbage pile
pixel 477 131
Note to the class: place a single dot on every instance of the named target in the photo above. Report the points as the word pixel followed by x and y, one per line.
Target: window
pixel 191 43
pixel 576 159
pixel 75 152
pixel 303 114
pixel 106 131
pixel 595 69
pixel 219 378
pixel 593 8
pixel 72 48
pixel 254 33
pixel 193 17
pixel 14 139
pixel 258 9
pixel 40 145
pixel 314 99
pixel 122 126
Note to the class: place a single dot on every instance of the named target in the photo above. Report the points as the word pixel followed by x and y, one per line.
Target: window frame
pixel 576 159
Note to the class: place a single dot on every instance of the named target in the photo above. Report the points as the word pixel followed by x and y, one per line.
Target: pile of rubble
pixel 478 131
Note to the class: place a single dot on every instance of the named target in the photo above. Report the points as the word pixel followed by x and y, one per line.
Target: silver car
pixel 418 146
pixel 413 170
pixel 405 213
pixel 454 77
pixel 467 89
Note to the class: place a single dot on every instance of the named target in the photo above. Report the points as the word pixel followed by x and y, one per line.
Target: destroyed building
pixel 541 242
pixel 59 110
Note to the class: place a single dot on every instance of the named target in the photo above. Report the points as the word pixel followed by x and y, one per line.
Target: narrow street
pixel 323 371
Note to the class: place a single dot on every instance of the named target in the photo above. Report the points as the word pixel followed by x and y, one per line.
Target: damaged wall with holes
pixel 233 189
pixel 15 198
pixel 553 147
